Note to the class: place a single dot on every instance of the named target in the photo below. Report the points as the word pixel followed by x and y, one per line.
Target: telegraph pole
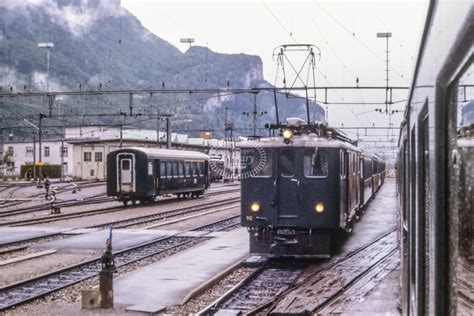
pixel 62 158
pixel 158 119
pixel 388 110
pixel 386 35
pixel 225 122
pixel 168 133
pixel 34 157
pixel 40 139
pixel 254 114
pixel 121 135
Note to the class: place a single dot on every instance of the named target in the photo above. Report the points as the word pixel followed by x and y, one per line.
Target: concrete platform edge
pixel 209 283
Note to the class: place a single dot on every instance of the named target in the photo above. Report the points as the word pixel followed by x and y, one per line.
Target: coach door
pixel 288 189
pixel 126 176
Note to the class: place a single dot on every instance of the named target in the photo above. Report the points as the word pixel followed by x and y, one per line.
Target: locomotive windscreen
pixel 316 163
pixel 256 162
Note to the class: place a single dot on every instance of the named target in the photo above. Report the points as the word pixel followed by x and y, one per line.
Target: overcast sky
pixel 345 32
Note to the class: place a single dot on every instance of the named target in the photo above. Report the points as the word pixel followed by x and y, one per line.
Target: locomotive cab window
pixel 287 163
pixel 316 163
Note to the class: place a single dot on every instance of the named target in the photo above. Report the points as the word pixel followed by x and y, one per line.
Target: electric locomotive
pixel 300 188
pixel 141 174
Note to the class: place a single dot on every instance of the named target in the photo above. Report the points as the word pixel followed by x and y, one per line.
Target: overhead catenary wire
pixel 353 35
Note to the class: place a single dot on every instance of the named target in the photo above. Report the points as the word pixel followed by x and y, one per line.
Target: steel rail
pixel 215 306
pixel 28 290
pixel 132 221
pixel 44 206
pixel 354 280
pixel 58 217
pixel 160 216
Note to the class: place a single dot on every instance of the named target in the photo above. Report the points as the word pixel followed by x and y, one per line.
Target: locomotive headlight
pixel 255 207
pixel 287 134
pixel 319 207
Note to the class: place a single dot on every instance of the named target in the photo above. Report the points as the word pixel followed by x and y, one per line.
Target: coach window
pixel 460 168
pixel 287 163
pixel 187 166
pixel 194 166
pixel 175 169
pixel 341 166
pixel 346 164
pixel 169 170
pixel 316 163
pixel 181 169
pixel 162 169
pixel 200 168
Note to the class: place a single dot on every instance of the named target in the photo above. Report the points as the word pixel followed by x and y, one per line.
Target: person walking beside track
pixel 47 184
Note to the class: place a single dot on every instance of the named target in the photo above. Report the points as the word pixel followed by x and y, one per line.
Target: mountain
pixel 100 45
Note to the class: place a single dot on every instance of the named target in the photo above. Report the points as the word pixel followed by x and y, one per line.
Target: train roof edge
pixel 164 153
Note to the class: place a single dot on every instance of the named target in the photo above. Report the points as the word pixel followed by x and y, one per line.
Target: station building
pixel 53 152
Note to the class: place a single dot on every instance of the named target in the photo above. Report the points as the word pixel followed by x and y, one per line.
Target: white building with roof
pixel 26 153
pixel 85 149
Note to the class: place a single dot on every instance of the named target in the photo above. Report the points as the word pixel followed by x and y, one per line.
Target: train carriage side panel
pixel 367 176
pixel 343 180
pixel 111 174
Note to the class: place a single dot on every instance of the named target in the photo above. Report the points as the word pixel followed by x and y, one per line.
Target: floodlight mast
pixel 46 45
pixel 388 111
pixel 386 35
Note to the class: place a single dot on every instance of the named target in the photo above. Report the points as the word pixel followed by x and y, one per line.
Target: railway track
pixel 272 287
pixel 166 215
pixel 67 187
pixel 123 223
pixel 13 189
pixel 92 200
pixel 25 291
pixel 47 206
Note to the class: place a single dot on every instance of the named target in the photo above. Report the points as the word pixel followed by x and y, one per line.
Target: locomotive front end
pixel 290 193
